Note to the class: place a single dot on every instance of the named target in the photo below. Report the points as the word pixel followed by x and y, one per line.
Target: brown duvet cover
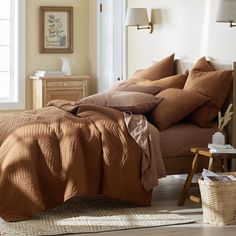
pixel 50 155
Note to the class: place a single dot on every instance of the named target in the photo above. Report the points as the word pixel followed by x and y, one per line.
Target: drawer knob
pixel 65 84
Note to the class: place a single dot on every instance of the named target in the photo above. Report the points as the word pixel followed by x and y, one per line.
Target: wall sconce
pixel 138 17
pixel 226 12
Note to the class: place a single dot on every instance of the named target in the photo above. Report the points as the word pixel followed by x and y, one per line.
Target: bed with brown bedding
pixel 64 150
pixel 52 154
pixel 179 162
pixel 192 94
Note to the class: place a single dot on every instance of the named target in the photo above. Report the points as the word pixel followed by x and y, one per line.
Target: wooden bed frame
pixel 182 165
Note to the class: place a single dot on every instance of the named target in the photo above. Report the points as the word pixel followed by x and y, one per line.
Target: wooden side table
pixel 202 153
pixel 45 89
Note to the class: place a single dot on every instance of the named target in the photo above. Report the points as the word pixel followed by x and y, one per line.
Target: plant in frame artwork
pixel 56 29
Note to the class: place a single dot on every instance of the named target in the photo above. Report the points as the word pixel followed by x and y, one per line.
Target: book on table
pixel 221 148
pixel 49 73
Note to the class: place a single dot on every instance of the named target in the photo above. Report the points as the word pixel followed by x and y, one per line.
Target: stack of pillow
pixel 166 98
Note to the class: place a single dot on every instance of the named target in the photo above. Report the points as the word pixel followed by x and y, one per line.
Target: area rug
pixel 89 215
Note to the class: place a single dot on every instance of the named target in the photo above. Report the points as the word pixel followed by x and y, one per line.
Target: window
pixel 12 52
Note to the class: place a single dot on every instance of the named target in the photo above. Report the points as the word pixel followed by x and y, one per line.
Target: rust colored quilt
pixel 50 155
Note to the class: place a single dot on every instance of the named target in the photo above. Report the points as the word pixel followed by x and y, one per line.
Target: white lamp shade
pixel 226 11
pixel 136 17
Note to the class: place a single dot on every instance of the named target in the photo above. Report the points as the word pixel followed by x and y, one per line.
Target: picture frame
pixel 56 29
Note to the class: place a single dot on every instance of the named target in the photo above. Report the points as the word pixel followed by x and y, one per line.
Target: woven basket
pixel 218 201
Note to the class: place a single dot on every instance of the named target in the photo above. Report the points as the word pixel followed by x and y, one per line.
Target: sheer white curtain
pixel 111 30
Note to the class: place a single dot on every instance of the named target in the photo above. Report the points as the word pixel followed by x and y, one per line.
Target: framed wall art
pixel 56 29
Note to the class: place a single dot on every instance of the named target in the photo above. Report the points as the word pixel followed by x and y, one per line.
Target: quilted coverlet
pixel 51 154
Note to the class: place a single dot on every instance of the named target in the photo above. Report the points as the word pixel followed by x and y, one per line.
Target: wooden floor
pixel 166 196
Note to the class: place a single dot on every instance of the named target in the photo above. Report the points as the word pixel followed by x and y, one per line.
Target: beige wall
pixel 186 27
pixel 37 61
pixel 177 28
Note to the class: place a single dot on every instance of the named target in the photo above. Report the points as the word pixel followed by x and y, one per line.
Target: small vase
pixel 67 64
pixel 218 138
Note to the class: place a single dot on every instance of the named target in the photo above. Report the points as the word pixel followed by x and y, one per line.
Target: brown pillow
pixel 134 102
pixel 215 84
pixel 175 106
pixel 174 81
pixel 128 86
pixel 161 69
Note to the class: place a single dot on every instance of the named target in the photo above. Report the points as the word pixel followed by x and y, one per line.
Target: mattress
pixel 178 139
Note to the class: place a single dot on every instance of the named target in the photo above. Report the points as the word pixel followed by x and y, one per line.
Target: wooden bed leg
pixel 188 181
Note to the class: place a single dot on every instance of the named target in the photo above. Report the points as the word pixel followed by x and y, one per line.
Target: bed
pixel 39 164
pixel 180 164
pixel 64 150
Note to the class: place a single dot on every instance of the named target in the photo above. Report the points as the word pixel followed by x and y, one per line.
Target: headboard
pixel 182 65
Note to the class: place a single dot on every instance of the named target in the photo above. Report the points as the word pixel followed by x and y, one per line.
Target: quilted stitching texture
pixel 175 105
pixel 161 69
pixel 209 82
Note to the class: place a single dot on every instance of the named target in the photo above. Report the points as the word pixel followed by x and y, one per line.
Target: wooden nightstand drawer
pixel 73 95
pixel 45 89
pixel 64 84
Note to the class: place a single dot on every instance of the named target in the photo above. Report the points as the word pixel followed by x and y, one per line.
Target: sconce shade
pixel 226 11
pixel 137 17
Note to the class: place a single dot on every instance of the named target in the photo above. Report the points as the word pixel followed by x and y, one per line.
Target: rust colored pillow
pixel 174 81
pixel 139 103
pixel 161 69
pixel 176 104
pixel 215 84
pixel 128 86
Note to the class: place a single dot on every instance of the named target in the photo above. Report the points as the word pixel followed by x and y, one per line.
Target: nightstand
pixel 202 153
pixel 45 89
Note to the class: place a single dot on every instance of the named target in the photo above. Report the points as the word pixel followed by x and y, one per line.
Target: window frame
pixel 17 100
